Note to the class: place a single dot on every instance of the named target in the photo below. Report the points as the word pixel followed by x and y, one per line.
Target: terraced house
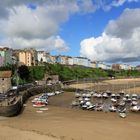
pixel 26 57
pixel 5 56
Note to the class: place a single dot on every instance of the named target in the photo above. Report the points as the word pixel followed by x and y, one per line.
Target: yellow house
pixel 26 57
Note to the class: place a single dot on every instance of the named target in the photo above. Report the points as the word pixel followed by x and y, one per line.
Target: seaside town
pixel 32 57
pixel 69 69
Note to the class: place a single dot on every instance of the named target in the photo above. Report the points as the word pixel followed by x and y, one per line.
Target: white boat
pixel 99 95
pixel 51 94
pixel 134 103
pixel 113 95
pixel 77 95
pixel 75 103
pixel 43 109
pixel 84 106
pixel 122 110
pixel 134 96
pixel 135 108
pixel 122 103
pixel 38 105
pixel 94 95
pixel 112 109
pixel 105 95
pixel 122 115
pixel 57 92
pixel 113 100
pixel 86 99
pixel 88 95
pixel 39 111
pixel 127 95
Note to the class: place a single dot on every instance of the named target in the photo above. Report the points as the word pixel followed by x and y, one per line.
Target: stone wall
pixel 5 84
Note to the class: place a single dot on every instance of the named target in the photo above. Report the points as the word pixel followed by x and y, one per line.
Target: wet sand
pixel 131 85
pixel 61 122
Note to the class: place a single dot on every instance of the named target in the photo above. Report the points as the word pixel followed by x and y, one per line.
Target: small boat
pixel 127 95
pixel 94 95
pixel 38 104
pixel 99 95
pixel 113 95
pixel 77 95
pixel 108 92
pixel 57 92
pixel 39 111
pixel 122 93
pixel 112 109
pixel 86 99
pixel 74 103
pixel 122 115
pixel 84 106
pixel 51 94
pixel 135 108
pixel 43 109
pixel 134 96
pixel 134 103
pixel 122 103
pixel 105 95
pixel 88 95
pixel 113 100
pixel 118 96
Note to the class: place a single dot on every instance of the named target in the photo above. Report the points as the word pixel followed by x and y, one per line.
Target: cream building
pixel 26 57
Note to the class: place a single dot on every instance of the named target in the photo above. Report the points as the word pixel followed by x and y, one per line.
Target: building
pixel 26 57
pixel 81 61
pixel 116 67
pixel 138 68
pixel 70 60
pixel 43 56
pixel 52 59
pixel 102 65
pixel 5 56
pixel 93 65
pixel 5 81
pixel 62 59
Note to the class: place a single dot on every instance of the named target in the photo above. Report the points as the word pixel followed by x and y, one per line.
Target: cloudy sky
pixel 103 30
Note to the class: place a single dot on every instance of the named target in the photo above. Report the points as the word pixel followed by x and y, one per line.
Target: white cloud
pixel 27 26
pixel 125 25
pixel 117 3
pixel 42 22
pixel 119 42
pixel 49 44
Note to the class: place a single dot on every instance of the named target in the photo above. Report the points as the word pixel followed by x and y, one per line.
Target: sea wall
pixel 11 110
pixel 24 94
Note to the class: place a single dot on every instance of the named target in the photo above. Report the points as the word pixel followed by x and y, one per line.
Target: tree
pixel 23 72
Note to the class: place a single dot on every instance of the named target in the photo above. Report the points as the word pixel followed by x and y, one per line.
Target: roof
pixel 5 74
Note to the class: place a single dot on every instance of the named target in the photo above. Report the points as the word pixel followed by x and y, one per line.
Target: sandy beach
pixel 61 122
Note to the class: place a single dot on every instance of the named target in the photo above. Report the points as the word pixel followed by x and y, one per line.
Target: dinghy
pixel 122 115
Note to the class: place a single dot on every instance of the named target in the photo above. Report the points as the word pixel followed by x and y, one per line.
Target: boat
pixel 113 100
pixel 39 111
pixel 112 109
pixel 77 95
pixel 122 115
pixel 105 95
pixel 39 104
pixel 74 103
pixel 135 108
pixel 57 92
pixel 43 109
